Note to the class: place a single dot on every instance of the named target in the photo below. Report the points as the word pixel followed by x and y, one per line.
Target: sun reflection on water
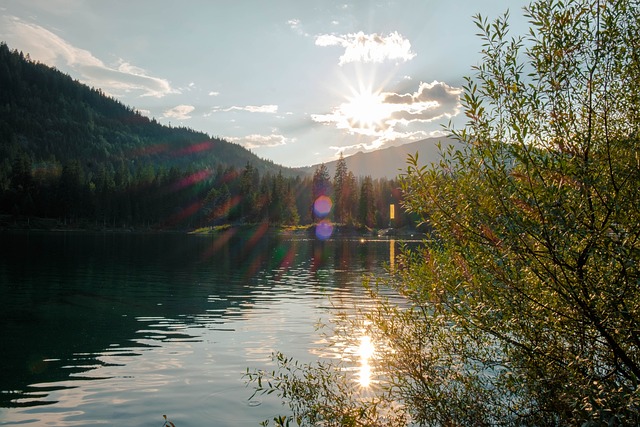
pixel 365 351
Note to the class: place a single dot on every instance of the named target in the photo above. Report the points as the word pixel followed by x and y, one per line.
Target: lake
pixel 121 328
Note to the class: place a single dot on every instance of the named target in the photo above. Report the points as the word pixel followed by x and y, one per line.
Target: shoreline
pixel 11 223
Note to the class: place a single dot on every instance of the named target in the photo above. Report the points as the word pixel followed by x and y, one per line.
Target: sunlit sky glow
pixel 295 82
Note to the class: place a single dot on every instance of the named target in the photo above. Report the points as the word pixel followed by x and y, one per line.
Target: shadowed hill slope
pixel 50 117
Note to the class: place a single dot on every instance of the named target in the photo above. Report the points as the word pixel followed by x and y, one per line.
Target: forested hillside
pixel 74 155
pixel 52 118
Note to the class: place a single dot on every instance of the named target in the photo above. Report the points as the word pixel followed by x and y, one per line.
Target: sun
pixel 365 110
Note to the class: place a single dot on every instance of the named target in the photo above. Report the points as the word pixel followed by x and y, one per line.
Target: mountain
pixel 390 162
pixel 53 119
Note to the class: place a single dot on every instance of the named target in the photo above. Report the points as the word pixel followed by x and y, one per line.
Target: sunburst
pixel 366 110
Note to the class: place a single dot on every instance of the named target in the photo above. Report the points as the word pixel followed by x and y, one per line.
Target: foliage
pixel 538 216
pixel 319 395
pixel 366 206
pixel 167 422
pixel 525 308
pixel 344 188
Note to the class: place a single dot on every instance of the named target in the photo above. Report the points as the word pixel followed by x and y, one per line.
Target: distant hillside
pixel 390 162
pixel 50 117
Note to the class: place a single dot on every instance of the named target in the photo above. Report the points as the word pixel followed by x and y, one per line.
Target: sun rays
pixel 366 110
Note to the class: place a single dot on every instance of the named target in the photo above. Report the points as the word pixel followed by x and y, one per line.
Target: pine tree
pixel 249 182
pixel 366 205
pixel 340 191
pixel 321 186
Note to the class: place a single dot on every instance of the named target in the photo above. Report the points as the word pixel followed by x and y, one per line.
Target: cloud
pixel 360 47
pixel 46 47
pixel 180 112
pixel 259 108
pixel 391 116
pixel 259 141
pixel 249 108
pixel 214 93
pixel 296 26
pixel 431 101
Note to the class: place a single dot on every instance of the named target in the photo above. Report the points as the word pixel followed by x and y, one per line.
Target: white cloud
pixel 46 47
pixel 361 47
pixel 249 108
pixel 390 116
pixel 259 108
pixel 430 102
pixel 214 93
pixel 259 141
pixel 180 112
pixel 296 26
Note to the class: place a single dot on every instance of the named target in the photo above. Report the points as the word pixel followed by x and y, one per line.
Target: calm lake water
pixel 121 328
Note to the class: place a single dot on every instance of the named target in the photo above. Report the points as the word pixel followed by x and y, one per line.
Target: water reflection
pixel 365 351
pixel 122 328
pixel 392 254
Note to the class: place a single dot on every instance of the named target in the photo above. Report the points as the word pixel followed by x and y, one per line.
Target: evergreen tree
pixel 290 213
pixel 366 205
pixel 276 205
pixel 340 191
pixel 349 198
pixel 71 191
pixel 249 184
pixel 21 177
pixel 264 198
pixel 103 195
pixel 321 186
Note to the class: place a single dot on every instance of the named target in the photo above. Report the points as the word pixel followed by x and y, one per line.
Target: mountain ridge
pixel 391 161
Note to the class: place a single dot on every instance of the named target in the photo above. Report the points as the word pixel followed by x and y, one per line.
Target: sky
pixel 297 82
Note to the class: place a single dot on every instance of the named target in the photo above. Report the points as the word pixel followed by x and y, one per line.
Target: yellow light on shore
pixel 392 211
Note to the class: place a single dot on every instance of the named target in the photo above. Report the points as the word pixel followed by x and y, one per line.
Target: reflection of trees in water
pixel 67 294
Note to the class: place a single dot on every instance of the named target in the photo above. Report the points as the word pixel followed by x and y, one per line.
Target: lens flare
pixel 218 243
pixel 192 179
pixel 183 214
pixel 324 229
pixel 195 148
pixel 149 150
pixel 322 206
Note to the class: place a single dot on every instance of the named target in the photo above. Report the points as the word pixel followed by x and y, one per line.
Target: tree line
pixel 128 195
